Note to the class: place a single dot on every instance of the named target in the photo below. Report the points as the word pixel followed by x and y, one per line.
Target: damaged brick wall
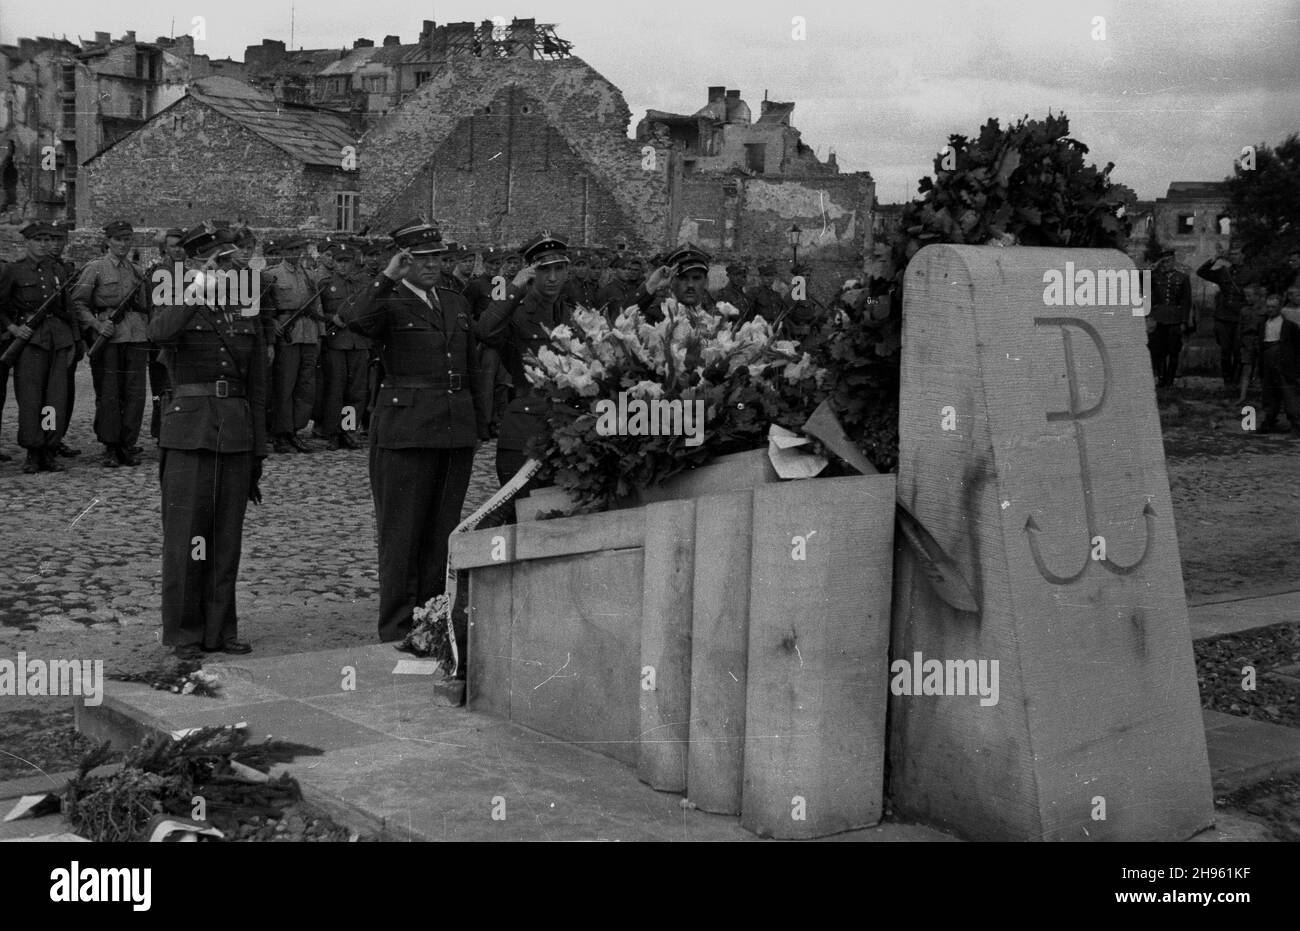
pixel 504 173
pixel 586 111
pixel 194 163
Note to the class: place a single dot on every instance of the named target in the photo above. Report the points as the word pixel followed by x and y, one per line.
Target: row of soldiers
pixel 321 373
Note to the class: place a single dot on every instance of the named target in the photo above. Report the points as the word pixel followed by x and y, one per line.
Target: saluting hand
pixel 399 265
pixel 524 276
pixel 658 278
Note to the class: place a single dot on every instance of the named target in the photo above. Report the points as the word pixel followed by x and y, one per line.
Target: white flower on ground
pixel 646 389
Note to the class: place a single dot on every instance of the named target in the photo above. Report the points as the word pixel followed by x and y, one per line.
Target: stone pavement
pixel 82 548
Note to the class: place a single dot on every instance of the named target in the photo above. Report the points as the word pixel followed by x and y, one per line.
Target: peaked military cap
pixel 418 238
pixel 737 268
pixel 686 258
pixel 118 228
pixel 62 228
pixel 206 241
pixel 39 228
pixel 766 268
pixel 245 238
pixel 545 249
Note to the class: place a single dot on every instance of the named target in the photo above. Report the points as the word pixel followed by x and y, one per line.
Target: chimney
pixel 427 30
pixel 765 106
pixel 716 94
pixel 364 43
pixel 130 36
pixel 391 40
pixel 101 38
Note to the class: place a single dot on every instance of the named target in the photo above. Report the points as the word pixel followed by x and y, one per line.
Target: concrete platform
pixel 398 763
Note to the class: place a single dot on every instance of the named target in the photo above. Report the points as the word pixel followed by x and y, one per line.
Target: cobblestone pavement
pixel 80 561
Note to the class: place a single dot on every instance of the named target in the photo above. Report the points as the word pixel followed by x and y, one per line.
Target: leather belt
pixel 455 382
pixel 221 388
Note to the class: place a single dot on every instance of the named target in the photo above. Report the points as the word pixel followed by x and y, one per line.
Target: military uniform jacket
pixel 103 284
pixel 1231 298
pixel 1171 297
pixel 287 290
pixel 767 303
pixel 614 298
pixel 583 293
pixel 479 294
pixel 737 298
pixel 426 400
pixel 515 327
pixel 204 347
pixel 340 296
pixel 24 287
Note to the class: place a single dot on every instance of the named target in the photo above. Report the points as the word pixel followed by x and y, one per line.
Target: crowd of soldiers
pixel 322 375
pixel 418 342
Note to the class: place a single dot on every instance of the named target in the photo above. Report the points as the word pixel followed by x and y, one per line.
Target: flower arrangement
pixel 430 634
pixel 744 378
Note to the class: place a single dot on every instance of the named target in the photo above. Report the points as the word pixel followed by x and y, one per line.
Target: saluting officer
pixel 119 372
pixel 41 372
pixel 423 429
pixel 171 261
pixel 346 355
pixel 213 441
pixel 686 272
pixel 534 304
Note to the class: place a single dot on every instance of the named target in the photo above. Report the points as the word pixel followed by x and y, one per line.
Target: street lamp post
pixel 792 236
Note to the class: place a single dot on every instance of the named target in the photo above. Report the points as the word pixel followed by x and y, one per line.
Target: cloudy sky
pixel 1171 92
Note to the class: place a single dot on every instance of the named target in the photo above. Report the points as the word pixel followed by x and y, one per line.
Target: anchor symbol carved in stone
pixel 1077 413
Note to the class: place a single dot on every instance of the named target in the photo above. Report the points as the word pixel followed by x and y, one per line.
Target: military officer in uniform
pixel 805 314
pixel 290 287
pixel 213 441
pixel 582 287
pixel 41 372
pixel 765 300
pixel 534 304
pixel 1171 311
pixel 424 427
pixel 686 273
pixel 346 355
pixel 119 372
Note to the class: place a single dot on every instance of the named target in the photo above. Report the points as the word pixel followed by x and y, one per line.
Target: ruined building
pixel 493 130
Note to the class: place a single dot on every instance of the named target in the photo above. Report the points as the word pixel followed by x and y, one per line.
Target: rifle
pixel 15 349
pixel 115 316
pixel 293 318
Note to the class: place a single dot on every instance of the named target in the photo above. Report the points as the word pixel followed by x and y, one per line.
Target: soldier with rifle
pixel 294 295
pixel 62 228
pixel 35 312
pixel 111 304
pixel 346 355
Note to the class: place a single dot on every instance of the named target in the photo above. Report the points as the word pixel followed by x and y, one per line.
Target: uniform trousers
pixel 119 376
pixel 1225 334
pixel 294 381
pixel 418 495
pixel 204 496
pixel 345 373
pixel 41 390
pixel 78 352
pixel 1165 344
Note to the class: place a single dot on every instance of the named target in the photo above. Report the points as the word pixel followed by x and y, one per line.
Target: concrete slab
pixel 1243 751
pixel 286 719
pixel 307 675
pixel 1230 617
